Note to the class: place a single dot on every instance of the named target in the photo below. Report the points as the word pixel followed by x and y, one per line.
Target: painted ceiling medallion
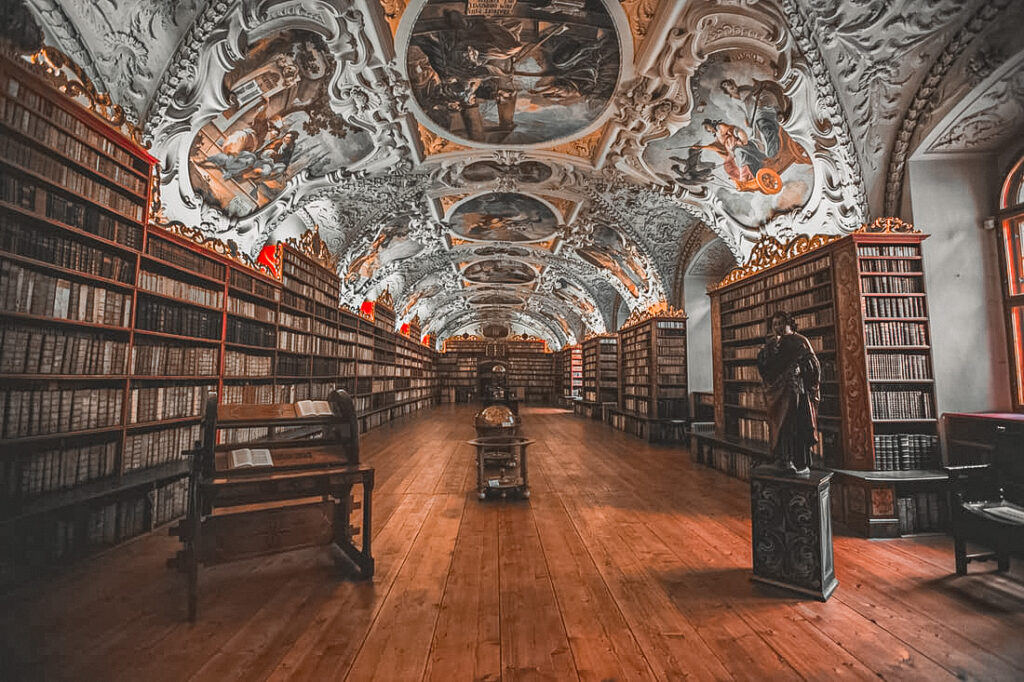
pixel 503 217
pixel 279 123
pixel 515 73
pixel 496 298
pixel 499 272
pixel 742 144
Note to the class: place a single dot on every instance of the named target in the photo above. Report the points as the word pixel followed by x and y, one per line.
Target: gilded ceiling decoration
pixel 525 164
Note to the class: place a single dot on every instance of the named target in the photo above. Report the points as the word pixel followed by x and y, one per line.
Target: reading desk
pixel 294 487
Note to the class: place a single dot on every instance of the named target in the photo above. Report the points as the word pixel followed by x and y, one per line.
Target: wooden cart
pixel 501 465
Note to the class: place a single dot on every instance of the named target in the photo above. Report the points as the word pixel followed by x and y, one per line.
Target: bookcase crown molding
pixel 770 252
pixel 659 309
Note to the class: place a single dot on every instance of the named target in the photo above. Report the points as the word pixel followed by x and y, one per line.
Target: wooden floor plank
pixel 628 563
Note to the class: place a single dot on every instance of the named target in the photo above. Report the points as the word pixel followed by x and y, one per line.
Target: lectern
pixel 791 531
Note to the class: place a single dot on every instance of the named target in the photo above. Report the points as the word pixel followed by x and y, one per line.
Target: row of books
pixel 157 403
pixel 752 429
pixel 117 522
pixel 42 411
pixel 16 90
pixel 291 365
pixel 54 469
pixel 62 175
pixel 144 449
pixel 884 306
pixel 187 259
pixel 45 351
pixel 920 512
pixel 905 451
pixel 18 237
pixel 893 284
pixel 175 288
pixel 167 318
pixel 257 394
pixel 251 333
pixel 893 404
pixel 88 218
pixel 742 373
pixel 47 134
pixel 888 250
pixel 244 308
pixel 157 359
pixel 25 290
pixel 245 365
pixel 294 342
pixel 740 352
pixel 169 502
pixel 249 284
pixel 895 333
pixel 300 323
pixel 897 366
pixel 753 399
pixel 890 265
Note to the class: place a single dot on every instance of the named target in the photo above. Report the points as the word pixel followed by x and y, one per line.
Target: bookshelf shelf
pixel 866 423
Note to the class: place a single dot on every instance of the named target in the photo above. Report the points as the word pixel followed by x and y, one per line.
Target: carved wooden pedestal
pixel 792 531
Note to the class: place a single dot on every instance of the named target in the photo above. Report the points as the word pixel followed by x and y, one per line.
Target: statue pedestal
pixel 792 531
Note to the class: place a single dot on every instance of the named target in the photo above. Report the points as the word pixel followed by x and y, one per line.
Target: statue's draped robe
pixel 791 375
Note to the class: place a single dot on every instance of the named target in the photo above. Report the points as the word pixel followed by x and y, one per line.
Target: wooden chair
pixel 304 499
pixel 988 503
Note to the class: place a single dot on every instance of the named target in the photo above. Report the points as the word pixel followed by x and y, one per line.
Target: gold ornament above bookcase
pixel 659 309
pixel 310 244
pixel 386 300
pixel 70 78
pixel 769 251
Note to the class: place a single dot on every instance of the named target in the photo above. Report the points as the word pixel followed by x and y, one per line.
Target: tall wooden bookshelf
pixel 600 357
pixel 571 372
pixel 531 370
pixel 531 367
pixel 653 394
pixel 74 202
pixel 861 302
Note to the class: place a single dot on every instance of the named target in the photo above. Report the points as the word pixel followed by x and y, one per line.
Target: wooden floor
pixel 627 563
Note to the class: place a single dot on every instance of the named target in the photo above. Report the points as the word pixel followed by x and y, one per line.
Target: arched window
pixel 1012 258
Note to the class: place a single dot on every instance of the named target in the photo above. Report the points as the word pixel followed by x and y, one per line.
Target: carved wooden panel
pixel 858 438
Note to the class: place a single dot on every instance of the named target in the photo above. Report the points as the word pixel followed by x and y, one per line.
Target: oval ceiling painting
pixel 503 217
pixel 499 272
pixel 496 298
pixel 279 123
pixel 513 72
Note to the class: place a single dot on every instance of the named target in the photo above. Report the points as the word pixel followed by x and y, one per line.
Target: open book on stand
pixel 306 408
pixel 256 457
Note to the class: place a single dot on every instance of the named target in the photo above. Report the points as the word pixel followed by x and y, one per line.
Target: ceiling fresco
pixel 511 74
pixel 503 217
pixel 542 166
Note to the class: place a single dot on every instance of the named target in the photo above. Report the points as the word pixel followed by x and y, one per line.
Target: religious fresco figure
pixel 791 376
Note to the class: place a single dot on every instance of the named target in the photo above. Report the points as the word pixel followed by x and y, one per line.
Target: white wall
pixel 950 198
pixel 698 333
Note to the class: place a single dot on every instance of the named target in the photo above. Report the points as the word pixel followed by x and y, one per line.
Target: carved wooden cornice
pixel 659 309
pixel 386 300
pixel 69 78
pixel 769 252
pixel 313 246
pixel 595 335
pixel 268 263
pixel 887 226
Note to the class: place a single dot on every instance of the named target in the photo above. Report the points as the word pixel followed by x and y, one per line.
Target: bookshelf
pixel 600 362
pixel 531 367
pixel 74 201
pixel 861 302
pixel 571 372
pixel 653 394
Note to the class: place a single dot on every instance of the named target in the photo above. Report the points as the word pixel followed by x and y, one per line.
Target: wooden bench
pixel 304 499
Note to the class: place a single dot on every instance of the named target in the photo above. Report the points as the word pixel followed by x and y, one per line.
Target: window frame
pixel 1011 267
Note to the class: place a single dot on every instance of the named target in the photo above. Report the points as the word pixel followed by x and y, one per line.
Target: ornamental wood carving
pixel 857 431
pixel 770 252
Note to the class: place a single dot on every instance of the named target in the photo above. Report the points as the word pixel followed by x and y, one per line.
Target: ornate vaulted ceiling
pixel 530 164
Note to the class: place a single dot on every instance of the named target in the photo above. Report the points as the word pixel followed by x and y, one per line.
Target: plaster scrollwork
pixel 363 101
pixel 929 96
pixel 992 117
pixel 66 36
pixel 665 102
